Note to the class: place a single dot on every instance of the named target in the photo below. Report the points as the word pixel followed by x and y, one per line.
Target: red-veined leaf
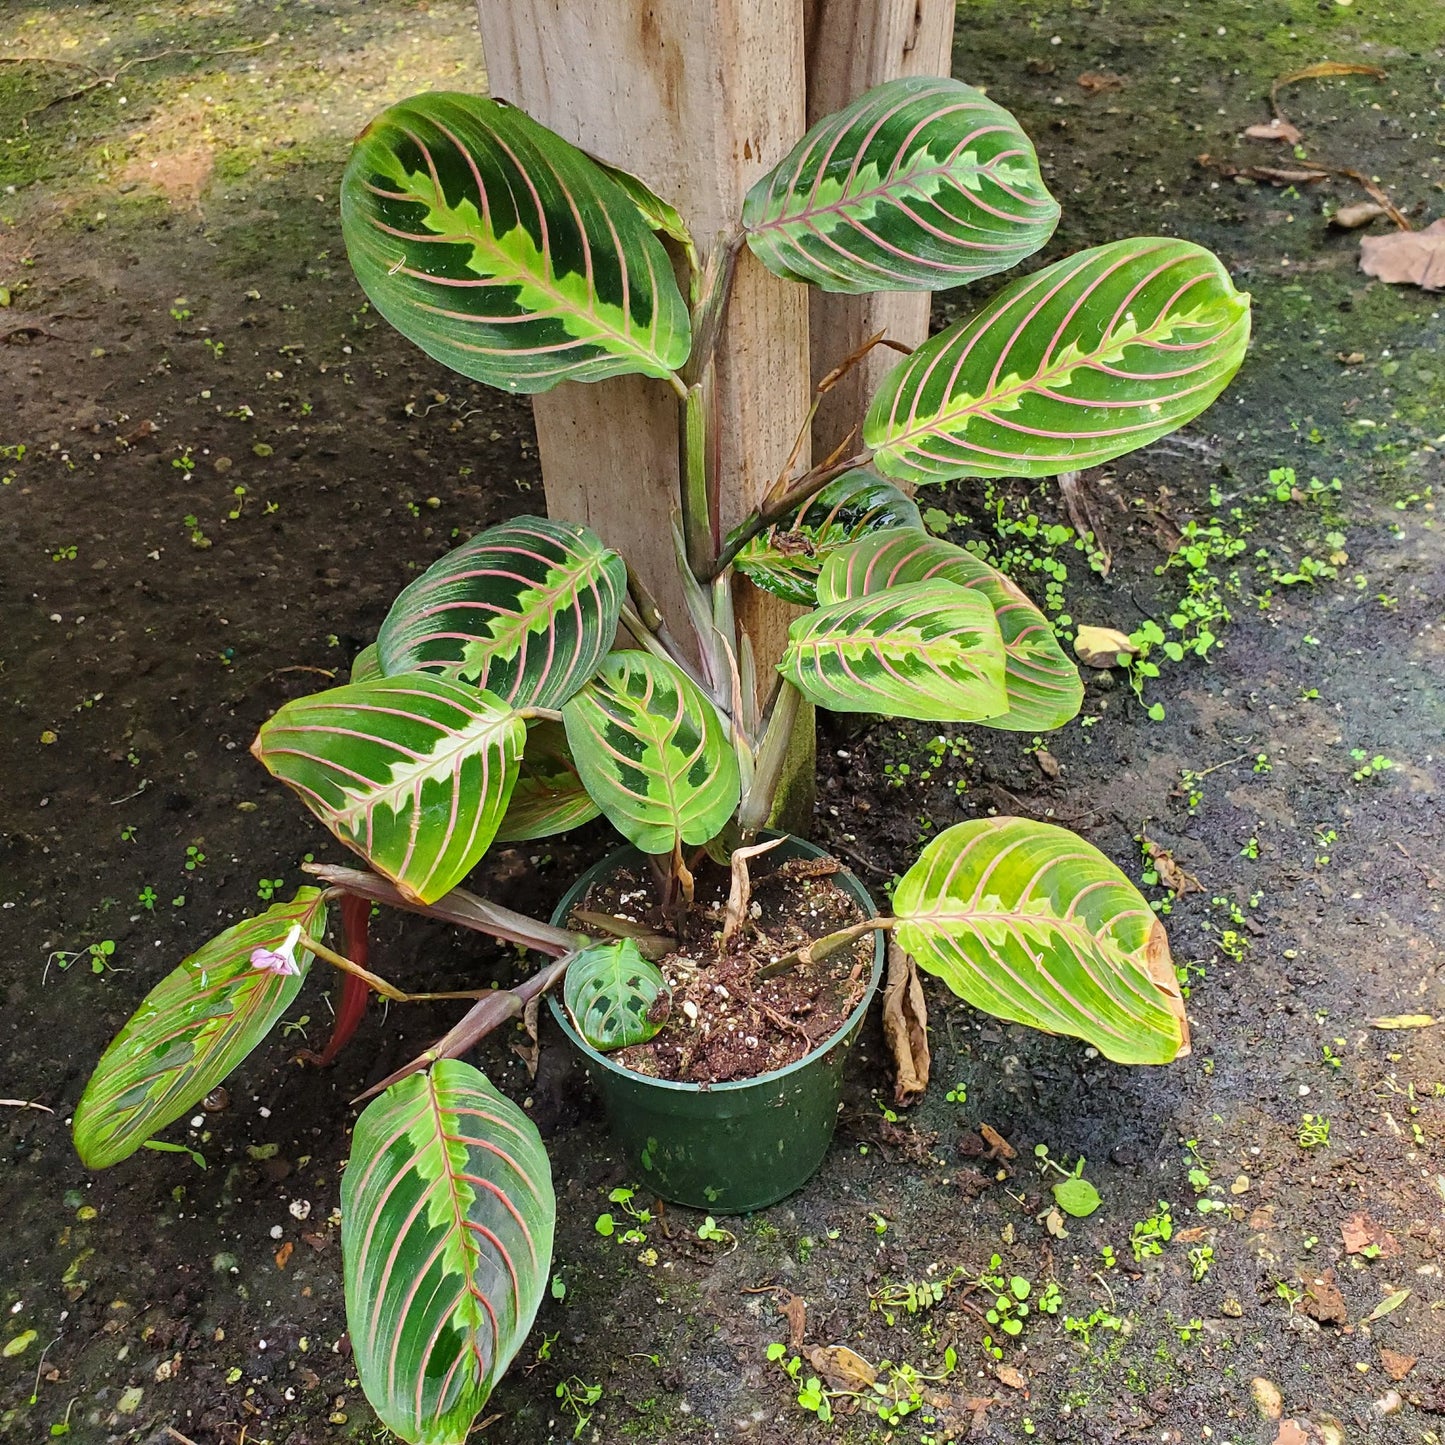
pixel 549 797
pixel 1043 686
pixel 1092 357
pixel 1032 924
pixel 447 1216
pixel 525 610
pixel 412 772
pixel 192 1029
pixel 918 184
pixel 503 251
pixel 926 650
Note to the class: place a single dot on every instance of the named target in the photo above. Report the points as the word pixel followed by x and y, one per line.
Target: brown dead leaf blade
pixel 842 1368
pixel 1407 258
pixel 1278 129
pixel 905 1027
pixel 794 1309
pixel 1097 82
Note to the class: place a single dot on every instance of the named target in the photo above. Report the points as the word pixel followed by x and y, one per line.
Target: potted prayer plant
pixel 712 974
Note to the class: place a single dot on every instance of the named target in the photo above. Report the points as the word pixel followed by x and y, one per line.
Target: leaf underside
pixel 786 559
pixel 525 610
pixel 919 184
pixel 653 751
pixel 503 251
pixel 1043 686
pixel 447 1216
pixel 926 650
pixel 413 772
pixel 191 1030
pixel 611 991
pixel 1029 923
pixel 1085 360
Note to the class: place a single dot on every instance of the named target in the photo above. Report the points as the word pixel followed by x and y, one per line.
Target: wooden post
pixel 853 45
pixel 699 98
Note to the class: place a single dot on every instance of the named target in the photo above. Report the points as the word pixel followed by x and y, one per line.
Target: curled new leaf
pixel 194 1027
pixel 525 610
pixel 1043 686
pixel 653 751
pixel 615 997
pixel 412 772
pixel 503 251
pixel 447 1217
pixel 1029 923
pixel 1094 356
pixel 926 650
pixel 786 559
pixel 920 183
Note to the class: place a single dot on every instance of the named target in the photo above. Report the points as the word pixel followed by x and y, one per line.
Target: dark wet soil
pixel 732 1013
pixel 181 324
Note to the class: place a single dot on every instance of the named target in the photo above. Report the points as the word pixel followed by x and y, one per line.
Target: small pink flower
pixel 279 960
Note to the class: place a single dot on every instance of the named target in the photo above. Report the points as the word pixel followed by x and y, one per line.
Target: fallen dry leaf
pixel 1082 502
pixel 1388 1305
pixel 794 1309
pixel 1322 68
pixel 1407 258
pixel 1049 765
pixel 1296 1432
pixel 1054 1223
pixel 1349 358
pixel 1359 1231
pixel 1278 129
pixel 1095 82
pixel 905 1027
pixel 1178 880
pixel 283 1255
pixel 1274 175
pixel 1396 1365
pixel 1361 213
pixel 1323 1301
pixel 1008 1375
pixel 998 1146
pixel 1405 1021
pixel 842 1368
pixel 1102 646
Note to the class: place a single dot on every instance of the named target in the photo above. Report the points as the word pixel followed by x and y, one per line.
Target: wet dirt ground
pixel 218 467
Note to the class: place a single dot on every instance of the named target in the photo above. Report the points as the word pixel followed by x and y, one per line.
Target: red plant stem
pixel 355 992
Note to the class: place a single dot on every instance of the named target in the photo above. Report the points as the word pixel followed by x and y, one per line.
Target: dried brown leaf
pixel 905 1027
pixel 1359 1231
pixel 1102 646
pixel 1396 1365
pixel 1179 881
pixel 794 1309
pixel 1049 765
pixel 1096 82
pixel 1405 1021
pixel 998 1146
pixel 1360 213
pixel 283 1255
pixel 1323 68
pixel 1323 1301
pixel 1407 258
pixel 842 1368
pixel 1013 1378
pixel 1278 129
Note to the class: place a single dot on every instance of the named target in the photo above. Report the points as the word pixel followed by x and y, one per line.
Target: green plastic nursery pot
pixel 727 1148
